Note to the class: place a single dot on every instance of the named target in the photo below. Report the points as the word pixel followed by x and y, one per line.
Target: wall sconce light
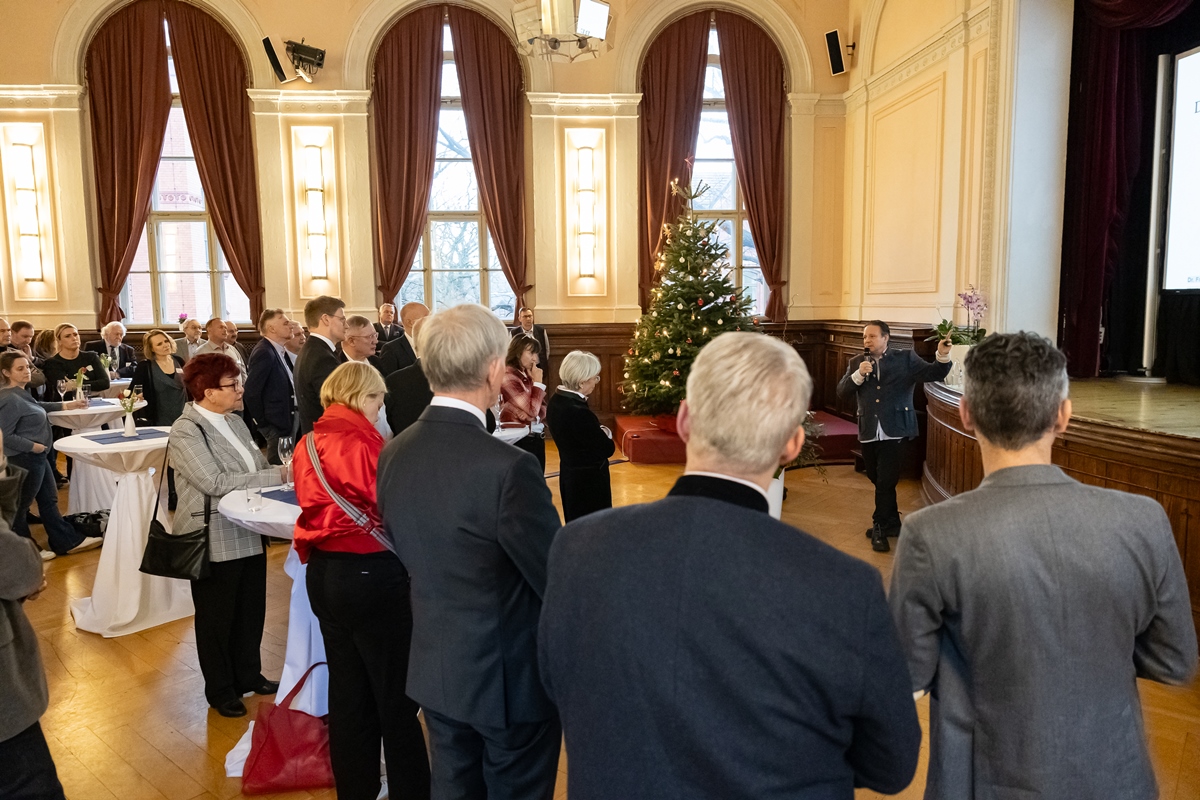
pixel 314 198
pixel 29 225
pixel 586 200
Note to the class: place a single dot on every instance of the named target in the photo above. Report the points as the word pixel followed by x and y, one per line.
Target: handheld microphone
pixel 867 356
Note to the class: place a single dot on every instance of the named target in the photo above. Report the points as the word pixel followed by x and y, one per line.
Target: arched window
pixel 456 262
pixel 714 166
pixel 179 267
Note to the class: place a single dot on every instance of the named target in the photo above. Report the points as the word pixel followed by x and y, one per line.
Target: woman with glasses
pixel 213 454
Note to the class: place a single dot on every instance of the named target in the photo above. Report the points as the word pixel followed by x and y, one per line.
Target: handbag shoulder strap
pixel 287 700
pixel 356 515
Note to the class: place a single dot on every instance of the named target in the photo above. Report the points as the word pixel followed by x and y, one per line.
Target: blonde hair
pixel 747 394
pixel 577 367
pixel 148 345
pixel 458 346
pixel 350 385
pixel 62 327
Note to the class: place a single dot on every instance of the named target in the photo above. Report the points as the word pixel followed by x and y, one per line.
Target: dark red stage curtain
pixel 406 99
pixel 212 79
pixel 493 99
pixel 756 99
pixel 672 84
pixel 129 99
pixel 1103 154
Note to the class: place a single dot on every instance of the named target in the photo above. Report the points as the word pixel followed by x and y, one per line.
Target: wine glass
pixel 285 449
pixel 63 385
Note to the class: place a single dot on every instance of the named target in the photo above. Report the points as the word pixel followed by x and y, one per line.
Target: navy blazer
pixel 886 396
pixel 126 357
pixel 388 333
pixel 473 522
pixel 270 397
pixel 396 355
pixel 752 660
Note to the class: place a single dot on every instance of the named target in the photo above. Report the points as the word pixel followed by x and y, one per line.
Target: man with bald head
pixel 218 342
pixel 399 353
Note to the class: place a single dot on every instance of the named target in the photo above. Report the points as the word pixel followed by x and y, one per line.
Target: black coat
pixel 408 394
pixel 389 333
pixel 142 377
pixel 396 355
pixel 583 449
pixel 126 357
pixel 314 364
pixel 473 522
pixel 764 661
pixel 886 396
pixel 270 398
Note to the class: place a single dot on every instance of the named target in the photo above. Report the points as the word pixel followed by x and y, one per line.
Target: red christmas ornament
pixel 676 372
pixel 689 341
pixel 699 301
pixel 631 351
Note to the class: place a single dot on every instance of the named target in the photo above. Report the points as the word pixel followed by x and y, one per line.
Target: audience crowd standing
pixel 674 644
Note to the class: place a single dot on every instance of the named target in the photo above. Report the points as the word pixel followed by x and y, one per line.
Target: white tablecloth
pixel 305 646
pixel 92 488
pixel 125 600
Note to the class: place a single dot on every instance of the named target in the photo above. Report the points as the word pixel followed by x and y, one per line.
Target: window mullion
pixel 155 273
pixel 484 289
pixel 214 280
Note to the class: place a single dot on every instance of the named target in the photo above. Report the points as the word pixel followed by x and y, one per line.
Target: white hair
pixel 578 366
pixel 747 394
pixel 113 326
pixel 458 346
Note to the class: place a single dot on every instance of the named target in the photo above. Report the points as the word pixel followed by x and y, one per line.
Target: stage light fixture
pixel 306 60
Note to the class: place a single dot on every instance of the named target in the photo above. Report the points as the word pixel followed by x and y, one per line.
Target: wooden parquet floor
pixel 128 719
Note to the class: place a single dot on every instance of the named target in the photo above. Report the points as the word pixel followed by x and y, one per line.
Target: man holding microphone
pixel 882 380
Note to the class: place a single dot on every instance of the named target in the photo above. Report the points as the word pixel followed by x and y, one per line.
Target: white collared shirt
pixel 283 356
pixel 220 422
pixel 461 405
pixel 324 339
pixel 572 391
pixel 742 481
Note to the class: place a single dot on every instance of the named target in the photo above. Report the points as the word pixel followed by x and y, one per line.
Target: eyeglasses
pixel 236 386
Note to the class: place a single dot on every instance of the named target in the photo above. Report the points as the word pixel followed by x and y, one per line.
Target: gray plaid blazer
pixel 214 469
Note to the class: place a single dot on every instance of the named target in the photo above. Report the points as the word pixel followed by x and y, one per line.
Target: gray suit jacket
pixel 1027 607
pixel 23 693
pixel 214 468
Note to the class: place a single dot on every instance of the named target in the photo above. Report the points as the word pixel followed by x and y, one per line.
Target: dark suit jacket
pixel 584 484
pixel 408 394
pixel 126 359
pixel 886 396
pixel 314 364
pixel 395 355
pixel 763 662
pixel 473 523
pixel 1027 607
pixel 142 377
pixel 538 333
pixel 270 398
pixel 390 333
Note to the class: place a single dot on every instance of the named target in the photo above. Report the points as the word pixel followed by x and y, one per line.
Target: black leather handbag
pixel 183 556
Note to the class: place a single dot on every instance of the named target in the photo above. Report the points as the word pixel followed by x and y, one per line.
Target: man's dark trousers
pixel 28 771
pixel 519 762
pixel 882 458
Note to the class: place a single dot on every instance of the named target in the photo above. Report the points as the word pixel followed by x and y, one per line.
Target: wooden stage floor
pixel 1159 408
pixel 128 719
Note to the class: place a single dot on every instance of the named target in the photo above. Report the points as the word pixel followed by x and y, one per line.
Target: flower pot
pixel 666 423
pixel 958 355
pixel 130 427
pixel 775 497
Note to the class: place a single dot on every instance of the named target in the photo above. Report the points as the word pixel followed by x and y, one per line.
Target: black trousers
pixel 883 468
pixel 231 609
pixel 472 762
pixel 584 490
pixel 28 771
pixel 535 444
pixel 362 604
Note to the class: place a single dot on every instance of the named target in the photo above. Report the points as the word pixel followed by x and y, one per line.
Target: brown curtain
pixel 493 101
pixel 212 88
pixel 755 98
pixel 129 99
pixel 406 98
pixel 672 85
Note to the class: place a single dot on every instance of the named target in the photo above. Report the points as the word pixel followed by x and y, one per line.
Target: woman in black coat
pixel 160 374
pixel 584 445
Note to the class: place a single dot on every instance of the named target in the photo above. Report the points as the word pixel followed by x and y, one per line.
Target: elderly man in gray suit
pixel 1028 606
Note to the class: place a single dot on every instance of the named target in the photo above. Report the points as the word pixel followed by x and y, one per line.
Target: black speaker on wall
pixel 833 43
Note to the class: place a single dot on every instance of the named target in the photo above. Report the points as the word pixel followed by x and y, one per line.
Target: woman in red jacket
pixel 359 592
pixel 523 395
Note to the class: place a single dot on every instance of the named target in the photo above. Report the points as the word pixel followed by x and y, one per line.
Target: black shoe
pixel 266 687
pixel 231 708
pixel 62 481
pixel 892 532
pixel 32 518
pixel 870 531
pixel 879 542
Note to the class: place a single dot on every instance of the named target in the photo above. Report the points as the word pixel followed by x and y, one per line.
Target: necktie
pixel 287 361
pixel 113 354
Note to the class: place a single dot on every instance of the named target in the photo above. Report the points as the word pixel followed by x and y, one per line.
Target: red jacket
pixel 523 401
pixel 348 446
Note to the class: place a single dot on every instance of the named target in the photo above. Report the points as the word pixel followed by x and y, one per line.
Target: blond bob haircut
pixel 350 385
pixel 148 343
pixel 578 366
pixel 747 394
pixel 458 346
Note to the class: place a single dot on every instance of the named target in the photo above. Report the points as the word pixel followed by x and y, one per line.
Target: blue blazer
pixel 752 660
pixel 270 399
pixel 886 396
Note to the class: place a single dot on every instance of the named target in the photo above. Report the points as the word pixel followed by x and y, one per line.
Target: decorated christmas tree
pixel 694 301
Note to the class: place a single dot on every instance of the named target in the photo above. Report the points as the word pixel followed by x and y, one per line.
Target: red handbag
pixel 289 749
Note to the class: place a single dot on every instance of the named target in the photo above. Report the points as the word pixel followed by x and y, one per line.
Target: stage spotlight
pixel 305 58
